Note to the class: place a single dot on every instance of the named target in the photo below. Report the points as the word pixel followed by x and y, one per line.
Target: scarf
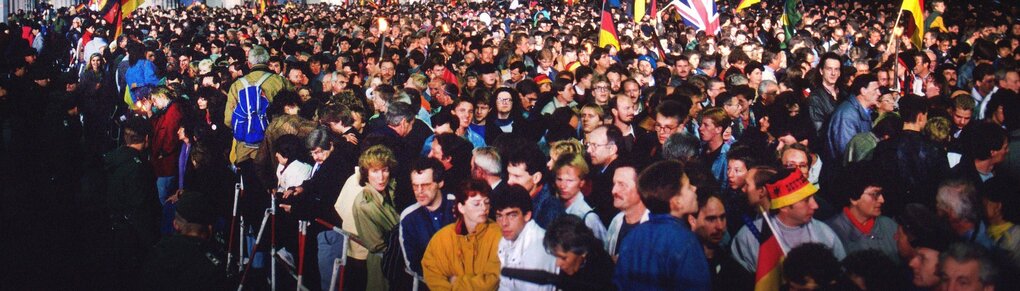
pixel 999 231
pixel 865 227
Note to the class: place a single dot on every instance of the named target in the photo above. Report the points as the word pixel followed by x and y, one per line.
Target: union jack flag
pixel 700 14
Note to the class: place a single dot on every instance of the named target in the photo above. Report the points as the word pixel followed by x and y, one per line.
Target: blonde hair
pixel 567 146
pixel 572 160
pixel 377 156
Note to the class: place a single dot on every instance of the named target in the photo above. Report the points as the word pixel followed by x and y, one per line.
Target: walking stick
pixel 258 240
pixel 303 234
pixel 272 243
pixel 233 222
pixel 241 259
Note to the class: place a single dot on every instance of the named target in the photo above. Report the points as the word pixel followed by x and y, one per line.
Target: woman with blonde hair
pixel 375 215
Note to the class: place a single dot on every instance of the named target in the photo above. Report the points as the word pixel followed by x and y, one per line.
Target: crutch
pixel 258 239
pixel 233 228
pixel 302 235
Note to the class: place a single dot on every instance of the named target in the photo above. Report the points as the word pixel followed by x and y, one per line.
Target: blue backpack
pixel 249 121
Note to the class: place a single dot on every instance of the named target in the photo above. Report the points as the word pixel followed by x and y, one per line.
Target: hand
pixel 351 138
pixel 453 279
pixel 285 207
pixel 293 191
pixel 177 196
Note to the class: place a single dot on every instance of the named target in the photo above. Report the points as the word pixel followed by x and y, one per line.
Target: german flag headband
pixel 790 190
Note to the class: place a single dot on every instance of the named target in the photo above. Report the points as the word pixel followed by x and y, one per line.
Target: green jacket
pixel 375 217
pixel 270 87
pixel 131 196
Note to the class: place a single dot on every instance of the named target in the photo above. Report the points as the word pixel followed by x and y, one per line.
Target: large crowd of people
pixel 497 145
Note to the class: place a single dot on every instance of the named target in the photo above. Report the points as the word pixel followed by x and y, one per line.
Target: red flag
pixel 607 30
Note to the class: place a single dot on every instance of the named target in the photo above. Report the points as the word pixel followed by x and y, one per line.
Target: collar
pixel 864 227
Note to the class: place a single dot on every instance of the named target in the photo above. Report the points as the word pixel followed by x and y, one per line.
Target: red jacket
pixel 165 145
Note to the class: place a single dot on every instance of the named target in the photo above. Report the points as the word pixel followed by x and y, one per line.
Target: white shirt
pixel 292 175
pixel 581 209
pixel 981 102
pixel 526 252
pixel 614 230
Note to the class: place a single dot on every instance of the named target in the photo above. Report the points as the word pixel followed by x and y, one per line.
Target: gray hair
pixel 487 158
pixel 706 64
pixel 968 252
pixel 736 80
pixel 764 85
pixel 958 197
pixel 258 55
pixel 398 112
pixel 680 147
pixel 318 138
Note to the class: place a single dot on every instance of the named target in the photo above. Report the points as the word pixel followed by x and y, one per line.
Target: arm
pixel 433 264
pixel 815 111
pixel 487 278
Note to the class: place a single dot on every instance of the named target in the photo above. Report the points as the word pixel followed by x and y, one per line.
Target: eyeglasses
pixel 602 88
pixel 505 101
pixel 595 145
pixel 662 128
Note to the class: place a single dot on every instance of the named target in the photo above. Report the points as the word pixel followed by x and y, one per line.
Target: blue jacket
pixel 546 206
pixel 417 227
pixel 719 166
pixel 849 119
pixel 661 254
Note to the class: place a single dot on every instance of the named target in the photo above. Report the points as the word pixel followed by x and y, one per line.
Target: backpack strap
pixel 263 79
pixel 244 81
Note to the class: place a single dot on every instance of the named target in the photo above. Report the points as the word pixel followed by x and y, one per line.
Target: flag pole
pixel 775 231
pixel 896 50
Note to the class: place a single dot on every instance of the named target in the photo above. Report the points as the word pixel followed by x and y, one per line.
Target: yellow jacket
pixel 471 258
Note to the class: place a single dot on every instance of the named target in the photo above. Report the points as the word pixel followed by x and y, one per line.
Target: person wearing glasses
pixel 861 225
pixel 601 91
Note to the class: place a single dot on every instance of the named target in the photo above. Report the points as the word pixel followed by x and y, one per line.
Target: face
pixel 709 131
pixel 795 159
pixel 504 102
pixel 614 81
pixel 320 155
pixel 625 194
pixel 870 94
pixel 962 276
pixel 512 222
pixel 923 265
pixel 569 183
pixel 517 174
pixel 632 90
pixel 715 89
pixel 601 93
pixel 682 68
pixel 870 203
pixel 590 119
pixel 601 151
pixel 95 62
pixel 754 193
pixel 687 201
pixel 475 209
pixel 962 117
pixel 733 107
pixel 986 84
pixel 296 77
pixel 710 223
pixel 568 262
pixel 426 190
pixel 624 111
pixel 665 127
pixel 830 71
pixel 800 213
pixel 465 113
pixel 378 178
pixel 736 172
pixel 886 103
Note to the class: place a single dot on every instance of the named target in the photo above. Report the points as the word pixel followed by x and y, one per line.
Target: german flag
pixel 768 276
pixel 913 11
pixel 607 31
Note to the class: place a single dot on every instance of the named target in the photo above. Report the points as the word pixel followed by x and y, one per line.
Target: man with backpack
pixel 247 101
